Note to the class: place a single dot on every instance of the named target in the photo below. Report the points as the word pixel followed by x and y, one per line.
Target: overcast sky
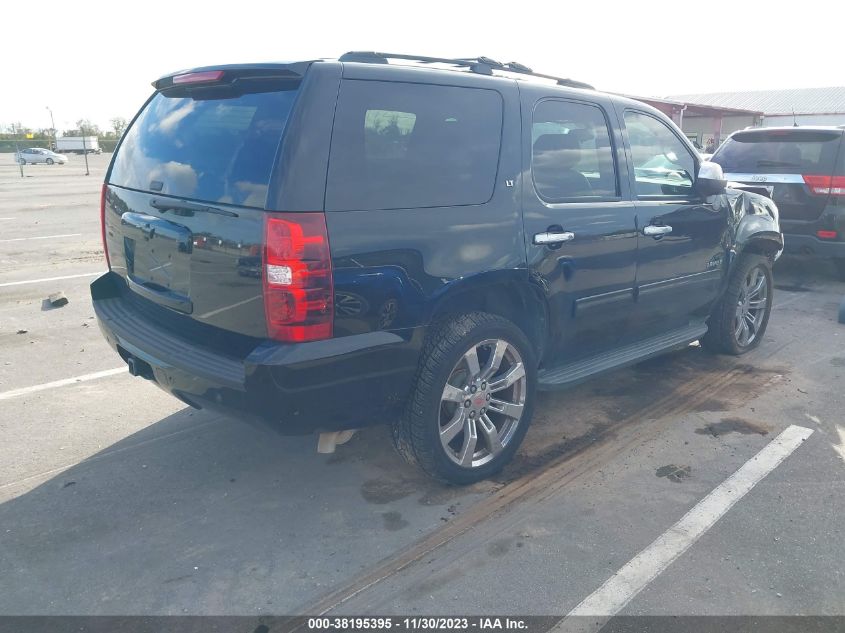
pixel 96 60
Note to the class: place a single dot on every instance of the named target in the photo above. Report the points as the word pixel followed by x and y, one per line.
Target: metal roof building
pixel 811 106
pixel 704 123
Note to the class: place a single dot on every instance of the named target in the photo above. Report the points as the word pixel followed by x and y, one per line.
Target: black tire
pixel 49 161
pixel 417 434
pixel 723 323
pixel 839 265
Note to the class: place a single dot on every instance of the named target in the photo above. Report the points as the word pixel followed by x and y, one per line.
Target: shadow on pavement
pixel 200 514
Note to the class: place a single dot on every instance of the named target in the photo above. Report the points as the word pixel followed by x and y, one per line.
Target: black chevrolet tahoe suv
pixel 803 170
pixel 421 242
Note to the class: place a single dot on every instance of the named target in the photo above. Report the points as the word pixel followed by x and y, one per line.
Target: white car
pixel 39 155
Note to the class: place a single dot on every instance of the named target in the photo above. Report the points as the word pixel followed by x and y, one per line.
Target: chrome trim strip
pixel 761 179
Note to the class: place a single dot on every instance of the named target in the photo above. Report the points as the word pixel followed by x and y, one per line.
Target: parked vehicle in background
pixel 803 168
pixel 332 244
pixel 32 155
pixel 78 144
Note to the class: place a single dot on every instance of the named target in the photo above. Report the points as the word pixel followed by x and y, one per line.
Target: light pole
pixel 17 148
pixel 84 150
pixel 53 127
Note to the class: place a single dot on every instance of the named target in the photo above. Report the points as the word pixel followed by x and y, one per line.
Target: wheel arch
pixel 768 243
pixel 756 225
pixel 765 243
pixel 507 294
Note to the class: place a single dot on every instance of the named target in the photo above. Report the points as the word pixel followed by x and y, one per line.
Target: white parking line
pixel 7 218
pixel 14 393
pixel 42 237
pixel 37 281
pixel 621 588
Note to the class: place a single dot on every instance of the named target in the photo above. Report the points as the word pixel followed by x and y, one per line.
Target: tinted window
pixel 663 166
pixel 211 146
pixel 387 133
pixel 779 152
pixel 571 155
pixel 401 145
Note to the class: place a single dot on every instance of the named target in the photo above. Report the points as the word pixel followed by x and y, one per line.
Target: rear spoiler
pixel 227 74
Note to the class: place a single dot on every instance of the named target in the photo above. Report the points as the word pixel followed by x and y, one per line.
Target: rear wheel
pixel 839 263
pixel 472 401
pixel 738 321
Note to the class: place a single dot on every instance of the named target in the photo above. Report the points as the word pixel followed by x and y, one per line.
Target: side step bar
pixel 578 371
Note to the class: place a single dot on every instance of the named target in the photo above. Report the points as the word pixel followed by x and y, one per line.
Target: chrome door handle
pixel 553 238
pixel 656 231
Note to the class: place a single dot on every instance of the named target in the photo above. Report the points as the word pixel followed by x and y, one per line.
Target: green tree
pixel 19 130
pixel 84 127
pixel 118 124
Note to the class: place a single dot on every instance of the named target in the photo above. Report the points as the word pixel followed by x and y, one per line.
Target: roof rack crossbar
pixel 481 65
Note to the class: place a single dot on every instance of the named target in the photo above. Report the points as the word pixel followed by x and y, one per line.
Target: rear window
pixel 212 146
pixel 779 152
pixel 402 145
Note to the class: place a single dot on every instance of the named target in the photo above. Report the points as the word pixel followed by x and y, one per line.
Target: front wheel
pixel 738 321
pixel 472 401
pixel 49 161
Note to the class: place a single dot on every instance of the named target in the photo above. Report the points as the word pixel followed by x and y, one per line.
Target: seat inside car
pixel 555 156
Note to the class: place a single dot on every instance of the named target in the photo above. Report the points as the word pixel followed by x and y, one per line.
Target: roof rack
pixel 480 65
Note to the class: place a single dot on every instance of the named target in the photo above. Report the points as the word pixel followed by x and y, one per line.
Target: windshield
pixel 779 152
pixel 209 146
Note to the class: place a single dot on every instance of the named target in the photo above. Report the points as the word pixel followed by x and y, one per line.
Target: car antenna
pixel 794 120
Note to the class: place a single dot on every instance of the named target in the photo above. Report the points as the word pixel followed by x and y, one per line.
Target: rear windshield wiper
pixel 182 205
pixel 776 163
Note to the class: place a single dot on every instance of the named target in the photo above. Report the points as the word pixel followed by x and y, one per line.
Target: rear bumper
pixel 330 385
pixel 800 236
pixel 811 246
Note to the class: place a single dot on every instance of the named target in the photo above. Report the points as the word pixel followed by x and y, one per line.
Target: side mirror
pixel 711 180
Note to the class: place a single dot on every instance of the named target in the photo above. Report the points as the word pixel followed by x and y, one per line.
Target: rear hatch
pixel 185 198
pixel 798 166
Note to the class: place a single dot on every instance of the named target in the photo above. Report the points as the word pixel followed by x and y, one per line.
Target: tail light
pixel 103 222
pixel 297 274
pixel 827 235
pixel 825 185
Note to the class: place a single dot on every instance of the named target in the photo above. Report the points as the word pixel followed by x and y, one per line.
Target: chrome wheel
pixel 482 403
pixel 751 307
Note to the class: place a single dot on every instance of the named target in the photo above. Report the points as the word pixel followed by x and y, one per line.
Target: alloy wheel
pixel 482 403
pixel 751 307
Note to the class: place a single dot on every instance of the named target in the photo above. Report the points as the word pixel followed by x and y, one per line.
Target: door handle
pixel 553 238
pixel 656 231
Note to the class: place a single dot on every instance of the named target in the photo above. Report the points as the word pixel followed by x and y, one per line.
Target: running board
pixel 578 371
